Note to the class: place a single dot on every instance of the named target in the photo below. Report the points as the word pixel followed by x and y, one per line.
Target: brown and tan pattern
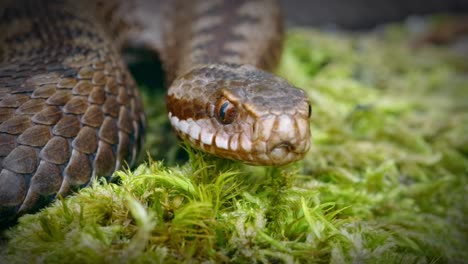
pixel 70 111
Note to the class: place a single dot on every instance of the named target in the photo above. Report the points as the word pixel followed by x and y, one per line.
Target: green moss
pixel 385 181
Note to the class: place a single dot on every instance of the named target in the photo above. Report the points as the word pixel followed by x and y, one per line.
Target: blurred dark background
pixel 364 14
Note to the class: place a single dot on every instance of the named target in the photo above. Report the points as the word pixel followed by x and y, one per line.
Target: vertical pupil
pixel 310 110
pixel 222 110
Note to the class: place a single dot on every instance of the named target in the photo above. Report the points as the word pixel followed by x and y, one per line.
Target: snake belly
pixel 70 111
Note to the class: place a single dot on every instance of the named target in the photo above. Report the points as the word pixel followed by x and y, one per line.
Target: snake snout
pixel 286 137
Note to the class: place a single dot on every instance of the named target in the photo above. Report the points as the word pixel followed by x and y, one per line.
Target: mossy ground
pixel 384 182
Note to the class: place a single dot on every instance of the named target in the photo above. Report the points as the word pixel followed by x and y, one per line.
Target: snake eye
pixel 226 111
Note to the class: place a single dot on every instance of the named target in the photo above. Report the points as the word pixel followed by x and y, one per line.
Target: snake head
pixel 240 112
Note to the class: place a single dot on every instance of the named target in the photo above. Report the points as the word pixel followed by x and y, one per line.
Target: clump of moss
pixel 385 181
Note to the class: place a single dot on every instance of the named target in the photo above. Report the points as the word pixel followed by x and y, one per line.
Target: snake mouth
pixel 283 145
pixel 274 141
pixel 280 151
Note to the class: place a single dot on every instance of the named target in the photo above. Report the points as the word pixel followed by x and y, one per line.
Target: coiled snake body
pixel 70 111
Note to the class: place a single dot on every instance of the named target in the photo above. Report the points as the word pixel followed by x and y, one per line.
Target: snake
pixel 70 111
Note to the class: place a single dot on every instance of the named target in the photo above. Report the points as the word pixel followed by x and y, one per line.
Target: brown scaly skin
pixel 70 111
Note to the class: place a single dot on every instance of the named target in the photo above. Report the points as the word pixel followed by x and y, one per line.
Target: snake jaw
pixel 271 141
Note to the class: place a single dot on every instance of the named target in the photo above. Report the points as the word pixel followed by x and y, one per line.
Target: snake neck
pixel 220 32
pixel 221 99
